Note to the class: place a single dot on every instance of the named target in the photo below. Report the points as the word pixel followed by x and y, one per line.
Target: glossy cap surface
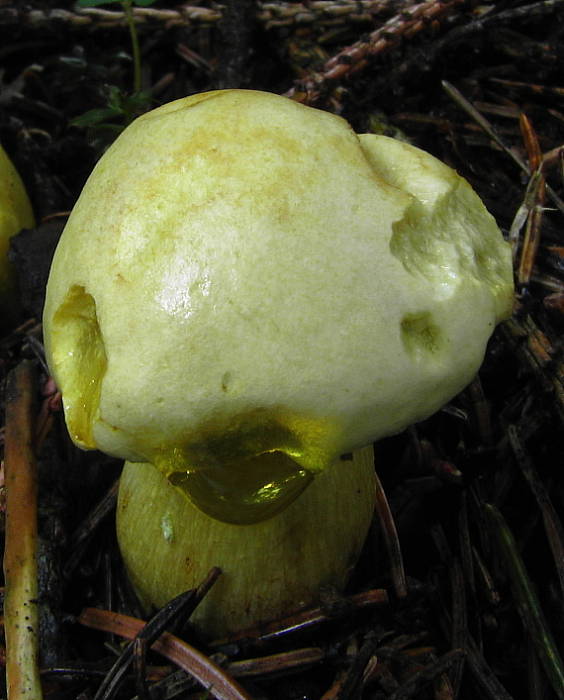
pixel 245 275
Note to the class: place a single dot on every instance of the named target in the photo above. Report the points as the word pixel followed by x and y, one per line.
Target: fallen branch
pixel 21 619
pixel 410 20
pixel 324 13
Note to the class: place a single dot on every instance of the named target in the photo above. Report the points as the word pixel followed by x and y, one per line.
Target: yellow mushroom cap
pixel 15 214
pixel 244 275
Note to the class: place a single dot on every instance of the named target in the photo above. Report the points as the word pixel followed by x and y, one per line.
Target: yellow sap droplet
pixel 79 357
pixel 251 466
pixel 238 493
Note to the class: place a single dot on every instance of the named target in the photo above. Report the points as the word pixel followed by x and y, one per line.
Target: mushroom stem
pixel 269 568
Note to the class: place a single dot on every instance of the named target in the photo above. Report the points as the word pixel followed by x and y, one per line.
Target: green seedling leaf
pixel 120 106
pixel 95 117
pixel 115 99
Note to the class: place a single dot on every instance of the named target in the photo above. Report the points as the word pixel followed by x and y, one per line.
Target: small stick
pixel 410 20
pixel 294 660
pixel 534 219
pixel 324 13
pixel 21 617
pixel 174 609
pixel 531 142
pixel 531 239
pixel 300 622
pixel 354 680
pixel 211 676
pixel 391 540
pixel 469 108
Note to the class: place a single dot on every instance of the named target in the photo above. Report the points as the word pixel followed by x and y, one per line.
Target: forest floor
pixel 472 564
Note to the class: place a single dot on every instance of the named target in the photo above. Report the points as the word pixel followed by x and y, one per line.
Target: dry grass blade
pixel 393 547
pixel 20 555
pixel 149 634
pixel 527 601
pixel 532 231
pixel 530 87
pixel 531 142
pixel 301 621
pixel 354 679
pixel 552 523
pixel 427 674
pixel 276 663
pixel 211 676
pixel 534 217
pixel 177 609
pixel 523 213
pixel 469 108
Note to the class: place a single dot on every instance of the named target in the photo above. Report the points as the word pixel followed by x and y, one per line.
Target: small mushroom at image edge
pixel 15 214
pixel 246 291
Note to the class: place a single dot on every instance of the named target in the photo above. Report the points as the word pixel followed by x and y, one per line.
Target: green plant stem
pixel 128 10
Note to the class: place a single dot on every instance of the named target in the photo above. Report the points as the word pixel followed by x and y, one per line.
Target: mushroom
pixel 269 568
pixel 246 291
pixel 15 214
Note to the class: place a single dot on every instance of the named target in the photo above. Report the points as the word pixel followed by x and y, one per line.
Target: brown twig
pixel 322 13
pixel 302 621
pixel 412 19
pixel 532 235
pixel 534 218
pixel 353 681
pixel 393 547
pixel 134 653
pixel 523 214
pixel 295 660
pixel 21 617
pixel 100 18
pixel 211 676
